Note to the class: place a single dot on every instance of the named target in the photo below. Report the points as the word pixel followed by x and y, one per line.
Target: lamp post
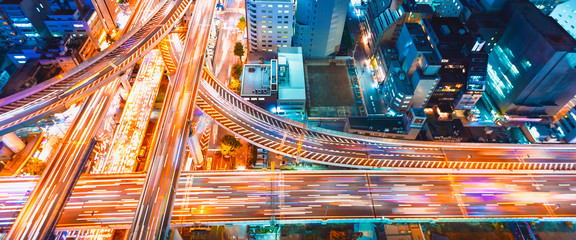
pixel 326 212
pixel 1 161
pixel 468 158
pixel 553 210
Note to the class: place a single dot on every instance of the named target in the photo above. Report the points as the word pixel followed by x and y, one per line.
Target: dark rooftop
pixel 378 124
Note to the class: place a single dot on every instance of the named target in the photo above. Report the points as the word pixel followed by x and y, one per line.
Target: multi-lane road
pixel 42 210
pixel 228 197
pixel 152 217
pixel 131 129
pixel 297 140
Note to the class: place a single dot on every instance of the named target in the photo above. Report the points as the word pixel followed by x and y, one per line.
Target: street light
pixel 551 212
pixel 468 158
pixel 1 161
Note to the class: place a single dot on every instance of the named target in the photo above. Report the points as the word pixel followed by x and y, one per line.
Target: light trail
pixel 132 125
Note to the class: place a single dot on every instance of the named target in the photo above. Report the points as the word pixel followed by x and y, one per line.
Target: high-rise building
pixel 567 126
pixel 319 25
pixel 565 15
pixel 270 24
pixel 532 67
pixel 420 61
pixel 449 8
pixel 547 6
pixel 26 18
pixel 476 78
pixel 69 22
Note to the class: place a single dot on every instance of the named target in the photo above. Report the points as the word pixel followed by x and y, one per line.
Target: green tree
pixel 236 71
pixel 337 235
pixel 239 50
pixel 34 167
pixel 229 144
pixel 234 85
pixel 242 24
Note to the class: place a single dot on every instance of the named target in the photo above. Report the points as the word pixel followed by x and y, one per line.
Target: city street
pixel 375 104
pixel 229 34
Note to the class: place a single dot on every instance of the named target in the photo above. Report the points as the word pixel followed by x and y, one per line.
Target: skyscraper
pixel 319 25
pixel 270 24
pixel 565 14
pixel 532 67
pixel 26 17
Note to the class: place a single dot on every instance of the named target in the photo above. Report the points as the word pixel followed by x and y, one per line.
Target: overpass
pixel 210 198
pixel 275 133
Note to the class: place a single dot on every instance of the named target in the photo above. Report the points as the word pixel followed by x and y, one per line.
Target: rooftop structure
pixel 280 82
pixel 291 81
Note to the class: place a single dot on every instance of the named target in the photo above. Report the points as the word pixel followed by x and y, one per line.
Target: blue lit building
pixel 532 67
pixel 567 126
pixel 319 26
pixel 26 17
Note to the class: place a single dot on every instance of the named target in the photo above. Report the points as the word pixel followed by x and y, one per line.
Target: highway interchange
pixel 420 181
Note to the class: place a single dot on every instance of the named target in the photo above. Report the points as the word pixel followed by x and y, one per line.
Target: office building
pixel 547 6
pixel 69 23
pixel 26 18
pixel 386 26
pixel 420 61
pixel 565 15
pixel 566 126
pixel 270 24
pixel 488 26
pixel 449 8
pixel 319 26
pixel 532 67
pixel 407 126
pixel 453 42
pixel 476 78
pixel 291 83
pixel 396 89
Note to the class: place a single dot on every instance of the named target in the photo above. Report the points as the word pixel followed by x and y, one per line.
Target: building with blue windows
pixel 26 18
pixel 319 26
pixel 565 14
pixel 532 67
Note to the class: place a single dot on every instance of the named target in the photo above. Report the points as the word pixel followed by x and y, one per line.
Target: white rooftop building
pixel 282 77
pixel 291 83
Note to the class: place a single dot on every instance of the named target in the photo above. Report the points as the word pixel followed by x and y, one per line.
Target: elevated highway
pixel 109 201
pixel 275 133
pixel 53 94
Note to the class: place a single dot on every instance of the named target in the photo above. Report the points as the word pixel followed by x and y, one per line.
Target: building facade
pixel 565 15
pixel 26 18
pixel 270 24
pixel 319 26
pixel 536 77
